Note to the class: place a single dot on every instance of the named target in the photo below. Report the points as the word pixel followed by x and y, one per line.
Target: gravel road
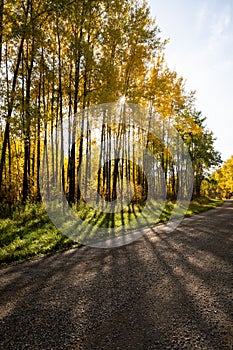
pixel 164 291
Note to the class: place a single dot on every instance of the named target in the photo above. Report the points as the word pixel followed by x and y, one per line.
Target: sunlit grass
pixel 29 231
pixel 203 204
pixel 134 214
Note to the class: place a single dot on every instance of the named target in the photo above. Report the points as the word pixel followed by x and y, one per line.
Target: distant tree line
pixel 220 182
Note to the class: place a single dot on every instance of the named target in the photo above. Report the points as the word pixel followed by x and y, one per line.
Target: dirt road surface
pixel 164 291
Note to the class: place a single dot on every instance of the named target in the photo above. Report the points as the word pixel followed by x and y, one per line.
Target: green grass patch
pixel 139 216
pixel 203 204
pixel 29 232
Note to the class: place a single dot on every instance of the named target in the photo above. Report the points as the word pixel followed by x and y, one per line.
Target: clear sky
pixel 201 50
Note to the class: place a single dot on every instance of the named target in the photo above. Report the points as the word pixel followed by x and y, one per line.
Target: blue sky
pixel 201 50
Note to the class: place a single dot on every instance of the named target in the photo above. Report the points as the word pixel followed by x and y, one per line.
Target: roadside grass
pixel 29 232
pixel 203 204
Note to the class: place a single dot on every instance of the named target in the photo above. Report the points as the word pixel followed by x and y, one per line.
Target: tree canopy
pixel 60 57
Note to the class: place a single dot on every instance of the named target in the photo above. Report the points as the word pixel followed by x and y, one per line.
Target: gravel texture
pixel 164 291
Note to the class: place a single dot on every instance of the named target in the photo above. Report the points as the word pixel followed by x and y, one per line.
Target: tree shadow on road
pixel 164 291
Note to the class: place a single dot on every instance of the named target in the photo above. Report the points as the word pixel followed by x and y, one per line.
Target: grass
pixel 203 204
pixel 29 232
